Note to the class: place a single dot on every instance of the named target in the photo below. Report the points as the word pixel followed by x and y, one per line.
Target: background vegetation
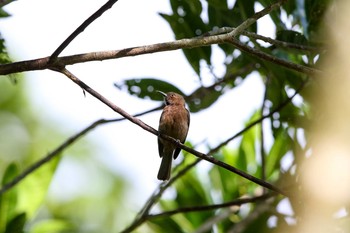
pixel 263 195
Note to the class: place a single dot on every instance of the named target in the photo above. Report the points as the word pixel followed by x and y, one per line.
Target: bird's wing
pixel 160 147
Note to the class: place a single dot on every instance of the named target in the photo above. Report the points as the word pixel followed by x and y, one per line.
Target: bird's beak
pixel 162 93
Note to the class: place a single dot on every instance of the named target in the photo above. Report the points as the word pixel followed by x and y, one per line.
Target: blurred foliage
pixel 23 141
pixel 25 137
pixel 26 207
pixel 296 22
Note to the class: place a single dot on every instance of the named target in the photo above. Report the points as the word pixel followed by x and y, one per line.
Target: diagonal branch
pixel 277 109
pixel 143 214
pixel 81 28
pixel 148 128
pixel 176 142
pixel 74 138
pixel 238 30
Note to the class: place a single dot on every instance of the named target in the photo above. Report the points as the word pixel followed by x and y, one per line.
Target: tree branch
pixel 46 62
pixel 237 202
pixel 236 31
pixel 74 138
pixel 62 147
pixel 176 142
pixel 278 108
pixel 46 159
pixel 80 29
pixel 142 216
pixel 265 56
pixel 269 40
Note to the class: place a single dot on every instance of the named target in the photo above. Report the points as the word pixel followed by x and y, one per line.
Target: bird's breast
pixel 174 122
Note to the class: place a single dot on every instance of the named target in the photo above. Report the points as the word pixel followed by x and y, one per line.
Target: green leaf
pixel 186 22
pixel 3 13
pixel 289 7
pixel 225 182
pixel 197 197
pixel 8 200
pixel 147 87
pixel 246 9
pixel 167 224
pixel 259 222
pixel 52 225
pixel 33 189
pixel 292 37
pixel 314 11
pixel 4 58
pixel 16 225
pixel 280 147
pixel 219 4
pixel 203 98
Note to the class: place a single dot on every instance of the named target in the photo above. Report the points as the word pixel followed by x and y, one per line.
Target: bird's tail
pixel 165 167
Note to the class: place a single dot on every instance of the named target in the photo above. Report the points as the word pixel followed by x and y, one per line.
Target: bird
pixel 174 122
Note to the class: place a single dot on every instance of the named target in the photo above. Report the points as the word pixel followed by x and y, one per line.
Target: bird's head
pixel 172 98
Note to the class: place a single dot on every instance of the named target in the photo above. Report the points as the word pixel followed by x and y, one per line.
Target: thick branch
pixel 43 63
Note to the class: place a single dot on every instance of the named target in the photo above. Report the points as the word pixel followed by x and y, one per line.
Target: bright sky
pixel 37 28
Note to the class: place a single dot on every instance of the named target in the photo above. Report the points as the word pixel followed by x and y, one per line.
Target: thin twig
pixel 237 202
pixel 62 147
pixel 104 100
pixel 143 214
pixel 249 126
pixel 265 56
pixel 261 208
pixel 262 138
pixel 46 159
pixel 243 26
pixel 81 28
pixel 269 40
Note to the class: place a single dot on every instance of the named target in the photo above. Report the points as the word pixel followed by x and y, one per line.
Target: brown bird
pixel 174 122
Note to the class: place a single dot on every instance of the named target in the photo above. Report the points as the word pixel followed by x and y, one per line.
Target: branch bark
pixel 54 62
pixel 237 202
pixel 44 63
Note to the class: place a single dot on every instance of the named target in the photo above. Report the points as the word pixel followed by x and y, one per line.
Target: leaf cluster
pixel 299 43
